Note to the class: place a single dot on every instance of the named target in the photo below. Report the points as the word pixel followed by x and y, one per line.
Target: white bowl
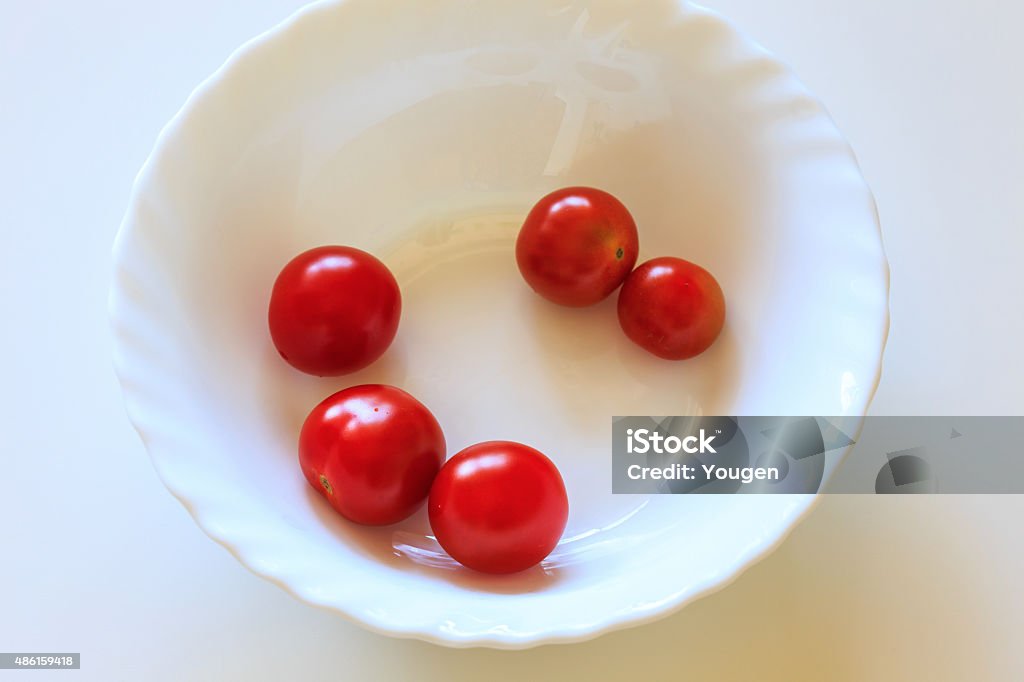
pixel 423 132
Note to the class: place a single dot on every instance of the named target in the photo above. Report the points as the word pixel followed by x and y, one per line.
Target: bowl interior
pixel 424 136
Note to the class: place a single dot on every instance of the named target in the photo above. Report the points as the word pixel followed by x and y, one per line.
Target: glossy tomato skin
pixel 333 310
pixel 672 308
pixel 372 451
pixel 576 246
pixel 498 507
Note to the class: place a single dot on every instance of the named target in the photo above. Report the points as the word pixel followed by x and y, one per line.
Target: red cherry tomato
pixel 498 507
pixel 372 451
pixel 576 246
pixel 672 308
pixel 333 310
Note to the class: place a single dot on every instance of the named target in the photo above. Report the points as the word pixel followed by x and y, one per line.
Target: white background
pixel 96 557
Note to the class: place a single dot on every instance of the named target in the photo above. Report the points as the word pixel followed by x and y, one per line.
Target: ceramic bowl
pixel 423 132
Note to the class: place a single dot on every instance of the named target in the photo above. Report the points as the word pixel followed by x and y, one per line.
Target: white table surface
pixel 97 557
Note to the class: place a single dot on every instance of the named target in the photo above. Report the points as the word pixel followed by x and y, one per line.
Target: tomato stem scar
pixel 326 484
